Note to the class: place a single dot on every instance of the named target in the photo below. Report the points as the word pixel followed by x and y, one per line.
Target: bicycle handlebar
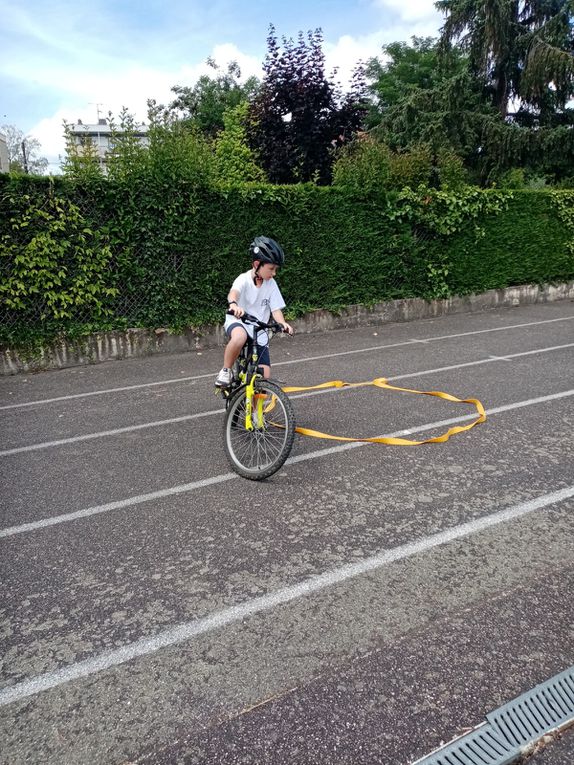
pixel 247 318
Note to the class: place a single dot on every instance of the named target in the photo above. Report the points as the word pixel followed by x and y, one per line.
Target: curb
pixel 137 343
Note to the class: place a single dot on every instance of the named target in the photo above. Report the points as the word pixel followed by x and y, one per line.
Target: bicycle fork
pixel 253 406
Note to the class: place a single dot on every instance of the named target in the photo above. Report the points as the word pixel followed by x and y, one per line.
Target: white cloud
pixel 249 65
pixel 345 54
pixel 411 10
pixel 348 51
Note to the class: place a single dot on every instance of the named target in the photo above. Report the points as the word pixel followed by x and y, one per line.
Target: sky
pixel 65 60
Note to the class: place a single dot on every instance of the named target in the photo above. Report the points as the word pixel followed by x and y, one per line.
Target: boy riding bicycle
pixel 254 292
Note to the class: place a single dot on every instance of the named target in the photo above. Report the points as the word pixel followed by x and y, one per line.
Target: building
pixel 101 137
pixel 4 159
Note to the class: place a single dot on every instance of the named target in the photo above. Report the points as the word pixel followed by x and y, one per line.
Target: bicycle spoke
pixel 259 452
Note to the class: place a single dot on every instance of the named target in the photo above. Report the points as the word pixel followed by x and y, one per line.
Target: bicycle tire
pixel 259 453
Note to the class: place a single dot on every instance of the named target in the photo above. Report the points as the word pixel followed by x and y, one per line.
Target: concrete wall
pixel 133 343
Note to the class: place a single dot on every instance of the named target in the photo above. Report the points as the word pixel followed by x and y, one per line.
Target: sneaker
pixel 223 379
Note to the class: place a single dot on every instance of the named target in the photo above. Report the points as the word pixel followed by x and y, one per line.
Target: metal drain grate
pixel 481 747
pixel 501 739
pixel 527 718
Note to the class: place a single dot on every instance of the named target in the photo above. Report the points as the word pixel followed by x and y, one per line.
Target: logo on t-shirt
pixel 266 301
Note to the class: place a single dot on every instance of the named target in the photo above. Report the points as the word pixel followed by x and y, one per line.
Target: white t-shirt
pixel 258 301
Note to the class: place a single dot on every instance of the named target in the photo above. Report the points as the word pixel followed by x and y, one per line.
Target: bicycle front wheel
pixel 258 453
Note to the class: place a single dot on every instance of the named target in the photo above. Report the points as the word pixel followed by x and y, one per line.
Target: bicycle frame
pixel 248 372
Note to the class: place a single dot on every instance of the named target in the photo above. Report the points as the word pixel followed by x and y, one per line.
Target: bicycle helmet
pixel 266 250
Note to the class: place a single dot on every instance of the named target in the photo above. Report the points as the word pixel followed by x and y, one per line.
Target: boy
pixel 254 292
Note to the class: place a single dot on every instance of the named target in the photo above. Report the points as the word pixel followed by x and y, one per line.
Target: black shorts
pixel 262 350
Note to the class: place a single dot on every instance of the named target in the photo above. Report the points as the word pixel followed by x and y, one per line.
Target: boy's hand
pixel 236 310
pixel 287 327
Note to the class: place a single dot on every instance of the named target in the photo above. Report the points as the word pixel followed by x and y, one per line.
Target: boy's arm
pixel 234 306
pixel 280 319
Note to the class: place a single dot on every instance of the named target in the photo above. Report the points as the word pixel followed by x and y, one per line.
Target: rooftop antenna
pixel 93 103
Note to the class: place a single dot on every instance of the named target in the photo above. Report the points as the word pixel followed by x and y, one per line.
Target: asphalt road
pixel 363 605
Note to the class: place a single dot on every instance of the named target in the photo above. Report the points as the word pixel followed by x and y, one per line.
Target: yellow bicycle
pixel 259 425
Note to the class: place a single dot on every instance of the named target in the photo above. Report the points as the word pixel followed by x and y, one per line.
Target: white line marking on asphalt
pixel 119 505
pixel 104 433
pixel 314 584
pixel 186 417
pixel 104 391
pixel 488 360
pixel 186 487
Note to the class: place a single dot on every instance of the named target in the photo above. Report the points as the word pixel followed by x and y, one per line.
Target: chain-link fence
pixel 77 263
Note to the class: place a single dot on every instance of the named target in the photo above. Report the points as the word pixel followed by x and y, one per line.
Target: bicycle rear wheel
pixel 257 454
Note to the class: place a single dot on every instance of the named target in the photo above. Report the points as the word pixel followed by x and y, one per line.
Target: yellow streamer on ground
pixel 381 382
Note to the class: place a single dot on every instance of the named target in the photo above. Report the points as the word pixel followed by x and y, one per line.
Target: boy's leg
pixel 237 338
pixel 264 360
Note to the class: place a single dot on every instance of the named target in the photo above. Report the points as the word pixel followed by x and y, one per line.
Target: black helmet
pixel 266 250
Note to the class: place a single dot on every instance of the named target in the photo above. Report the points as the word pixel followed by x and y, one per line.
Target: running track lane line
pixel 220 619
pixel 282 363
pixel 198 415
pixel 222 478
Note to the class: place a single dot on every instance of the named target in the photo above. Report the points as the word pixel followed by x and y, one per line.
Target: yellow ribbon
pixel 381 382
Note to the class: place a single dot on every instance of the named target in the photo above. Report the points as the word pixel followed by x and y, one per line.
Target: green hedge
pixel 527 244
pixel 172 249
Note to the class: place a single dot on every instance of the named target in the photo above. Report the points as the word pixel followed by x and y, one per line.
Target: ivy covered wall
pixel 76 258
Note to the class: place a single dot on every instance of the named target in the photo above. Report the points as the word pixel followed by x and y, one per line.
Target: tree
pixel 520 49
pixel 522 54
pixel 432 93
pixel 204 104
pixel 299 116
pixel 408 68
pixel 82 160
pixel 367 165
pixel 235 161
pixel 422 99
pixel 23 152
